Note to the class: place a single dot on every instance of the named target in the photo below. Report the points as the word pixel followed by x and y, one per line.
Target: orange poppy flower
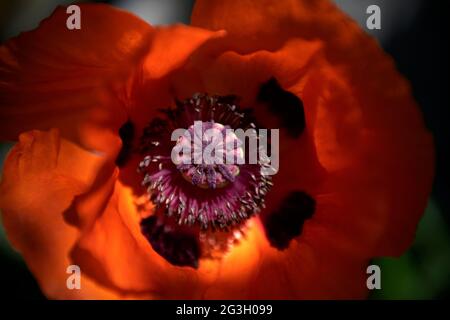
pixel 356 162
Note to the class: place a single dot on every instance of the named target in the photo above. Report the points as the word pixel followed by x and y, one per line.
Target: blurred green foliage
pixel 423 272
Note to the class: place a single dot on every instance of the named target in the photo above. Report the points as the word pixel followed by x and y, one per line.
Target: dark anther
pixel 229 99
pixel 177 247
pixel 126 133
pixel 171 114
pixel 285 105
pixel 154 131
pixel 156 127
pixel 287 222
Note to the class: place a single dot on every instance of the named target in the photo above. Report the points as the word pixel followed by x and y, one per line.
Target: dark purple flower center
pixel 213 199
pixel 207 194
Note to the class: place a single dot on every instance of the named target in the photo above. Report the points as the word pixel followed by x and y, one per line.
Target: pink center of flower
pixel 216 152
pixel 204 190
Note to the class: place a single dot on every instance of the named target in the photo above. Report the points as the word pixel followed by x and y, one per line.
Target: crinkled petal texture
pixel 43 174
pixel 71 79
pixel 365 156
pixel 363 128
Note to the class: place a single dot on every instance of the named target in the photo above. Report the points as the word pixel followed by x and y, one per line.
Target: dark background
pixel 415 33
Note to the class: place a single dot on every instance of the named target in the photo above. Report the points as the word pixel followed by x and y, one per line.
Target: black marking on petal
pixel 177 247
pixel 126 133
pixel 287 222
pixel 285 105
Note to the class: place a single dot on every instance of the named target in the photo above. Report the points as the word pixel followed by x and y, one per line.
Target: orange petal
pixel 56 77
pixel 149 90
pixel 170 49
pixel 115 253
pixel 254 25
pixel 366 128
pixel 42 175
pixel 363 126
pixel 267 24
pixel 370 137
pixel 229 72
pixel 311 268
pixel 172 46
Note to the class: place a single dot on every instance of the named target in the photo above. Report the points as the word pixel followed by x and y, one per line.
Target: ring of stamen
pixel 209 198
